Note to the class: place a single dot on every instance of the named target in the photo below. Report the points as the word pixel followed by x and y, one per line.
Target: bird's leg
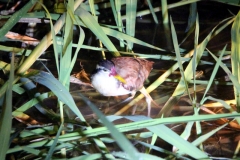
pixel 148 100
pixel 108 106
pixel 127 99
pixel 134 109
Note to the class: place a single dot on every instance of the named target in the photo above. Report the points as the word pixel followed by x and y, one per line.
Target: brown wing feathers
pixel 134 70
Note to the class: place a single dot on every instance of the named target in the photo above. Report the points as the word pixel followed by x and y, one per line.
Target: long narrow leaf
pixel 183 82
pixel 189 70
pixel 15 18
pixel 235 57
pixel 125 145
pixel 152 11
pixel 171 137
pixel 127 127
pixel 115 33
pixel 44 44
pixel 51 150
pixel 92 24
pixel 213 74
pixel 131 8
pixel 6 115
pixel 58 89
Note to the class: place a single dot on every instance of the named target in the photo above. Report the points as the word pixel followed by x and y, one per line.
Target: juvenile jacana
pixel 121 76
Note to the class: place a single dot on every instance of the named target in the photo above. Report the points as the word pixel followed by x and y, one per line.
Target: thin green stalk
pixel 15 18
pixel 119 20
pixel 6 115
pixel 44 44
pixel 164 11
pixel 152 11
pixel 157 9
pixel 131 8
pixel 235 57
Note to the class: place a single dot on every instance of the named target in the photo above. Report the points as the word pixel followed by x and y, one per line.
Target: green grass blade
pixel 204 137
pixel 231 2
pixel 127 127
pixel 152 11
pixel 131 9
pixel 28 104
pixel 56 47
pixel 237 150
pixel 174 139
pixel 39 131
pixel 68 28
pixel 183 82
pixel 228 72
pixel 142 155
pixel 195 56
pixel 31 150
pixel 171 137
pixel 93 25
pixel 118 5
pixel 225 105
pixel 79 45
pixel 121 140
pixel 120 35
pixel 18 89
pixel 6 115
pixel 51 150
pixel 194 67
pixel 64 96
pixel 214 72
pixel 192 16
pixel 15 18
pixel 164 12
pixel 187 131
pixel 92 8
pixel 44 44
pixel 58 89
pixel 156 148
pixel 235 57
pixel 157 9
pixel 114 11
pixel 189 70
pixel 94 156
pixel 66 55
pixel 153 141
pixel 167 107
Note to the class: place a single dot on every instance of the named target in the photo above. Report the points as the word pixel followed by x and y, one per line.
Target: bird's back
pixel 134 70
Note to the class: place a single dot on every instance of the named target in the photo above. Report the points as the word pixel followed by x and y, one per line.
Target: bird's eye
pixel 104 70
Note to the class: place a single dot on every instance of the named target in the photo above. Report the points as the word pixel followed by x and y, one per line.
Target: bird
pixel 122 76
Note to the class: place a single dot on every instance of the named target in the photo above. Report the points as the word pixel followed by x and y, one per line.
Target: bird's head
pixel 108 67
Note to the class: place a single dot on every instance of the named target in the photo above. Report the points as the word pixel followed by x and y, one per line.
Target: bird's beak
pixel 118 77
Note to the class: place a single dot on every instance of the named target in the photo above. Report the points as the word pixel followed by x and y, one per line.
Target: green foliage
pixel 5 116
pixel 15 18
pixel 92 140
pixel 235 55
